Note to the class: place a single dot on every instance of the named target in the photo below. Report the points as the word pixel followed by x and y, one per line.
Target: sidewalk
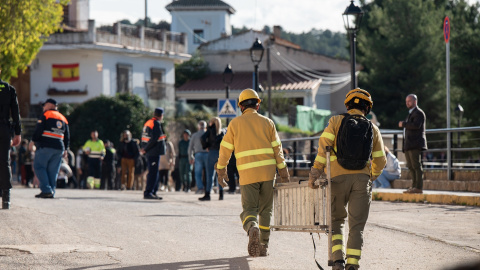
pixel 430 196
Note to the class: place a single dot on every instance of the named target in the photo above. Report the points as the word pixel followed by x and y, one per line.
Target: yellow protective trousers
pixel 257 204
pixel 354 190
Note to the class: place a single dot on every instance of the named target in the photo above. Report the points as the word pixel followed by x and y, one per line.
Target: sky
pixel 319 14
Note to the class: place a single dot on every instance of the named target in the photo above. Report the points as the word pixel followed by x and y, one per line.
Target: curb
pixel 470 200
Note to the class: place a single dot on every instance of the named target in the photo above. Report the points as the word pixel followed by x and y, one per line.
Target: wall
pixel 103 82
pixel 141 66
pixel 41 75
pixel 213 24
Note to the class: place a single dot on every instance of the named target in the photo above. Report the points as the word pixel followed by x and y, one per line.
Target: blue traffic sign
pixel 227 108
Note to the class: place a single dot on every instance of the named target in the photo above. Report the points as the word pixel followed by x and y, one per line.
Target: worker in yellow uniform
pixel 95 150
pixel 258 152
pixel 357 159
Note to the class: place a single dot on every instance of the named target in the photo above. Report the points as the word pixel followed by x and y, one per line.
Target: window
pixel 156 74
pixel 155 87
pixel 124 78
pixel 198 36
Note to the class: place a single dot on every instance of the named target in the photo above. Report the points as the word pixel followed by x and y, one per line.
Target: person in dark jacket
pixel 153 145
pixel 211 140
pixel 128 153
pixel 52 139
pixel 108 166
pixel 8 108
pixel 184 165
pixel 414 142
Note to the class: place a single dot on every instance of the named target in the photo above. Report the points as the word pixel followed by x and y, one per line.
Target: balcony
pixel 126 36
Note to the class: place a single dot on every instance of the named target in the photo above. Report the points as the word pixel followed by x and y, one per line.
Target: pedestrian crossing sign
pixel 227 108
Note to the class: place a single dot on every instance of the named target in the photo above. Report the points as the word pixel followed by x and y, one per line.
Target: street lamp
pixel 256 53
pixel 352 17
pixel 227 80
pixel 459 111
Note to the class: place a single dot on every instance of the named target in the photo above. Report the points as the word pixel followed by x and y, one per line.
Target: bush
pixel 110 116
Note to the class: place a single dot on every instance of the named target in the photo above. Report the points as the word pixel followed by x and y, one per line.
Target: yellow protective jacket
pixel 329 138
pixel 257 147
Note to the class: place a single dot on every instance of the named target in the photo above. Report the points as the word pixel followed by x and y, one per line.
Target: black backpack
pixel 354 142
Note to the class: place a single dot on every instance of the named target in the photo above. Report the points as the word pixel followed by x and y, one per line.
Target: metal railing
pixel 448 165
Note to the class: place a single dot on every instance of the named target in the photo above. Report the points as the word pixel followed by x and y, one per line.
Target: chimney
pixel 277 31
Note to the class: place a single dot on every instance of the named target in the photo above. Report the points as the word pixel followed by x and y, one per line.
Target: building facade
pixel 202 20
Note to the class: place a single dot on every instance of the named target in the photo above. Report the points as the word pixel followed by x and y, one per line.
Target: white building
pixel 202 20
pixel 79 64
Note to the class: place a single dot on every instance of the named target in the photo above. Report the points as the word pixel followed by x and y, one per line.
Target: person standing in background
pixel 414 142
pixel 198 156
pixel 52 137
pixel 108 166
pixel 153 146
pixel 211 140
pixel 167 164
pixel 95 149
pixel 184 165
pixel 128 152
pixel 9 108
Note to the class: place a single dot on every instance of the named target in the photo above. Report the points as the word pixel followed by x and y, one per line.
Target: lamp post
pixel 459 111
pixel 256 54
pixel 352 17
pixel 227 80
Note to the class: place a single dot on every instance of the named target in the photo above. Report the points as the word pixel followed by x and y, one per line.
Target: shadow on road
pixel 191 216
pixel 226 263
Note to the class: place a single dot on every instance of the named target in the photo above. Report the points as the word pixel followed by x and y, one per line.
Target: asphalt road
pixel 92 229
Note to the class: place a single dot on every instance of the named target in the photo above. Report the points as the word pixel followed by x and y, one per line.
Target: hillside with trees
pixel 326 42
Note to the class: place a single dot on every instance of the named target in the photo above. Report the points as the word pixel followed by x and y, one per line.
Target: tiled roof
pixel 199 4
pixel 243 80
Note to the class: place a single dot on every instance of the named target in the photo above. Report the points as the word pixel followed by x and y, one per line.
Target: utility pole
pixel 145 21
pixel 269 76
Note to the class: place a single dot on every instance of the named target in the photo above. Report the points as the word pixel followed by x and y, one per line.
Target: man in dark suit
pixel 414 142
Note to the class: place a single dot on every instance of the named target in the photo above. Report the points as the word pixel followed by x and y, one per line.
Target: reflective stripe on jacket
pixel 256 145
pixel 52 131
pixel 153 129
pixel 329 138
pixel 97 148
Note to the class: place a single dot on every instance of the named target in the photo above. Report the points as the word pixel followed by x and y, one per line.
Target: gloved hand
pixel 222 176
pixel 284 175
pixel 313 176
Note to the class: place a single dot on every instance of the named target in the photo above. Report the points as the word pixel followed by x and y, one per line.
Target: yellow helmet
pixel 356 95
pixel 248 94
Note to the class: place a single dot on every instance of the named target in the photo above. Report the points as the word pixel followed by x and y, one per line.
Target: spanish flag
pixel 65 72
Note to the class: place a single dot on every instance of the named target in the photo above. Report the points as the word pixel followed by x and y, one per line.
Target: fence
pixel 307 157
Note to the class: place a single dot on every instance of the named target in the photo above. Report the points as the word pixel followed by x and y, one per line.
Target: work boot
pixel 351 267
pixel 6 199
pixel 220 195
pixel 206 197
pixel 263 250
pixel 339 265
pixel 253 241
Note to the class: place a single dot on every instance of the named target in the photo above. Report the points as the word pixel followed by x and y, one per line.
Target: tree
pixel 110 116
pixel 400 47
pixel 465 56
pixel 195 68
pixel 25 25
